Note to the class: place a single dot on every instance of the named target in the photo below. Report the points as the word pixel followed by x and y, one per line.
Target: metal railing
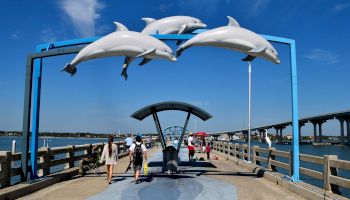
pixel 49 158
pixel 329 175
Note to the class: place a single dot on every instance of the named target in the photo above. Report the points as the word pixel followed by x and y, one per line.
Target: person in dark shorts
pixel 137 152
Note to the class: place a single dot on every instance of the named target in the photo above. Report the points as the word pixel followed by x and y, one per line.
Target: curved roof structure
pixel 170 105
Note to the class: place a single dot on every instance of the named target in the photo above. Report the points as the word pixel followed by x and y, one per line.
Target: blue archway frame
pixel 33 92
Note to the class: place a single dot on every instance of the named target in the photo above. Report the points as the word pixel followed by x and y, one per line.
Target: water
pixel 343 153
pixel 6 142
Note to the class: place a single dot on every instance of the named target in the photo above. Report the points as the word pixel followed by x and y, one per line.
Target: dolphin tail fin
pixel 179 42
pixel 127 61
pixel 180 50
pixel 124 74
pixel 248 58
pixel 70 69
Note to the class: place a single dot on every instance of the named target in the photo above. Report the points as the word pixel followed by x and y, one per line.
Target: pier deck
pixel 213 179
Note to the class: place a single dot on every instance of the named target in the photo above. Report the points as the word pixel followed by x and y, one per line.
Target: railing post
pixel 234 151
pixel 244 151
pixel 257 154
pixel 6 168
pixel 254 154
pixel 290 162
pixel 46 161
pixel 70 155
pixel 269 158
pixel 327 171
pixel 230 147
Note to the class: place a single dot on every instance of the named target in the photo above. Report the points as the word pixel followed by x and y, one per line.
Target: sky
pixel 97 99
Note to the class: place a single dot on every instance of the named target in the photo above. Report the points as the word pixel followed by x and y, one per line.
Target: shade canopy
pixel 201 134
pixel 170 105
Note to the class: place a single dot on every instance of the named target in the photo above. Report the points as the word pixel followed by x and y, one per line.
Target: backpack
pixel 138 157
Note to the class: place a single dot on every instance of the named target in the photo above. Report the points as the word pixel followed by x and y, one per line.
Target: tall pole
pixel 249 102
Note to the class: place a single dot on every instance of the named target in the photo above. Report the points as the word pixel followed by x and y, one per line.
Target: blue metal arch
pixel 36 79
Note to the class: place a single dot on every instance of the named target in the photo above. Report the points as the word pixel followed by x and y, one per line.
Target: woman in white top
pixel 110 155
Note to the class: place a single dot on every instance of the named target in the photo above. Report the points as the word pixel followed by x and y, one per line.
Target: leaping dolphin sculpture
pixel 172 25
pixel 126 43
pixel 234 37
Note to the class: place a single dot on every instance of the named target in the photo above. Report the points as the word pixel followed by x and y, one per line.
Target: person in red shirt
pixel 207 149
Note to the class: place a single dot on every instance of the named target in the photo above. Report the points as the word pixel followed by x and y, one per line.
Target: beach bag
pixel 145 168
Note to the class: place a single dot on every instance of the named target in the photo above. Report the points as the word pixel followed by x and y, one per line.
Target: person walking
pixel 110 156
pixel 128 141
pixel 207 149
pixel 137 153
pixel 190 147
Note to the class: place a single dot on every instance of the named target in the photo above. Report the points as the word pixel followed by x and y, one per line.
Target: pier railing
pixel 273 160
pixel 66 157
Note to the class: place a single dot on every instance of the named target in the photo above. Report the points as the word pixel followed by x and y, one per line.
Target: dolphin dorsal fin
pixel 148 20
pixel 120 27
pixel 232 22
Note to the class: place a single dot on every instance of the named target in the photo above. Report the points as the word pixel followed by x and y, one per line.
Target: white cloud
pixel 83 14
pixel 15 35
pixel 47 35
pixel 165 7
pixel 258 6
pixel 341 7
pixel 321 55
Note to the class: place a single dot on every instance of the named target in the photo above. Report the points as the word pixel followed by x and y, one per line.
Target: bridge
pixel 227 175
pixel 317 121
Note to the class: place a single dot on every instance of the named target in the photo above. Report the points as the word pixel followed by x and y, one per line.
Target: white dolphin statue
pixel 172 25
pixel 234 37
pixel 126 43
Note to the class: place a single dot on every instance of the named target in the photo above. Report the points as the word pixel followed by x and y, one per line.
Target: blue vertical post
pixel 35 118
pixel 295 118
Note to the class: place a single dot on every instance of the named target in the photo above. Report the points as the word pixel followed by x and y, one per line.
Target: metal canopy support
pixel 159 129
pixel 36 115
pixel 183 131
pixel 26 117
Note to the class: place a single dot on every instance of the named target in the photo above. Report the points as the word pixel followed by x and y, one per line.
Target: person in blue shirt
pixel 128 141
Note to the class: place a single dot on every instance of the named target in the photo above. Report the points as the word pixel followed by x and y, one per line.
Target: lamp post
pixel 249 104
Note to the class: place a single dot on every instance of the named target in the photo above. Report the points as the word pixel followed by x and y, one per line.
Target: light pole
pixel 249 103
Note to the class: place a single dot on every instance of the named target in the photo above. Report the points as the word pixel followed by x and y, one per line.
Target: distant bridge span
pixel 317 121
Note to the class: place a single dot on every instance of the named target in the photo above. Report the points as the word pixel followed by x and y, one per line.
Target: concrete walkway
pixel 213 179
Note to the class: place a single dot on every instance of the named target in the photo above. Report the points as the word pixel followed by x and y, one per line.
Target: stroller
pixel 90 164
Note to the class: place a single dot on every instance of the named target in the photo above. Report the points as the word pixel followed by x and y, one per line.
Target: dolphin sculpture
pixel 172 25
pixel 235 38
pixel 126 43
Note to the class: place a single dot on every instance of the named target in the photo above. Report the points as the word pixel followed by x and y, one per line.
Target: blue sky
pixel 97 99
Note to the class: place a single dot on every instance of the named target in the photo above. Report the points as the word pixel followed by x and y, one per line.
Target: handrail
pixel 273 162
pixel 50 157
